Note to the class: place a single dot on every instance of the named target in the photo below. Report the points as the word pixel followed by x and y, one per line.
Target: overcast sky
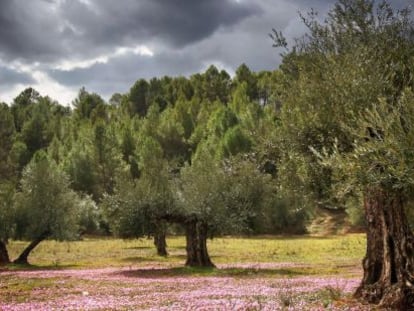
pixel 58 46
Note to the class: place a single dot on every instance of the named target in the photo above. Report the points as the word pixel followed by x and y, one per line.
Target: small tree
pixel 46 207
pixel 139 207
pixel 217 199
pixel 138 98
pixel 88 106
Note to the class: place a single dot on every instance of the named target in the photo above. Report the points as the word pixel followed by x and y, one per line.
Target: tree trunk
pixel 4 254
pixel 22 259
pixel 388 264
pixel 160 240
pixel 196 238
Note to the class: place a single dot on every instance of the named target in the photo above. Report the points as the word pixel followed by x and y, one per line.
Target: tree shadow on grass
pixel 138 259
pixel 282 237
pixel 154 258
pixel 139 247
pixel 213 272
pixel 30 267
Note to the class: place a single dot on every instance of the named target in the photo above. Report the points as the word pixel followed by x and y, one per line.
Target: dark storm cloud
pixel 119 74
pixel 231 45
pixel 9 77
pixel 185 36
pixel 179 22
pixel 26 30
pixel 40 30
pixel 245 42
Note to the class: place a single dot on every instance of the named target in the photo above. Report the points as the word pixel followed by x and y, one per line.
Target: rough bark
pixel 388 265
pixel 4 254
pixel 22 259
pixel 160 240
pixel 196 238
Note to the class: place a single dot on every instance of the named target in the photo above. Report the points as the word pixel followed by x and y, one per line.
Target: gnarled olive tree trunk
pixel 160 241
pixel 4 254
pixel 22 259
pixel 196 238
pixel 389 263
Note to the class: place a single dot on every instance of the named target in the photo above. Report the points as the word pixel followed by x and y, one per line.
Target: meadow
pixel 256 273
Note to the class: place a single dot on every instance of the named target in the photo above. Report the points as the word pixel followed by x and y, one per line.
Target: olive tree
pixel 215 198
pixel 381 167
pixel 358 60
pixel 45 207
pixel 138 207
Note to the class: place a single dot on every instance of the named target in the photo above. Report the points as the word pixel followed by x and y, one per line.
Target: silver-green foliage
pixel 46 204
pixel 383 153
pixel 223 196
pixel 359 60
pixel 137 204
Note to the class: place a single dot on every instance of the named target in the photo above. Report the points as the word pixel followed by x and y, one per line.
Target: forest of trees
pixel 207 155
pixel 197 156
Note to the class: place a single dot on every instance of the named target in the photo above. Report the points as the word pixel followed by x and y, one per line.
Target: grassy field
pixel 97 253
pixel 260 273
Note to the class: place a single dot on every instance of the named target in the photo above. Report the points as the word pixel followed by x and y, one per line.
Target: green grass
pixel 304 249
pixel 322 254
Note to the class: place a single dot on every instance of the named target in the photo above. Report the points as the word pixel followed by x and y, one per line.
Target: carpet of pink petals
pixel 153 288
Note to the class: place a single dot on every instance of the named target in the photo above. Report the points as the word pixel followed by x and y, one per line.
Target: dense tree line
pixel 196 152
pixel 332 128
